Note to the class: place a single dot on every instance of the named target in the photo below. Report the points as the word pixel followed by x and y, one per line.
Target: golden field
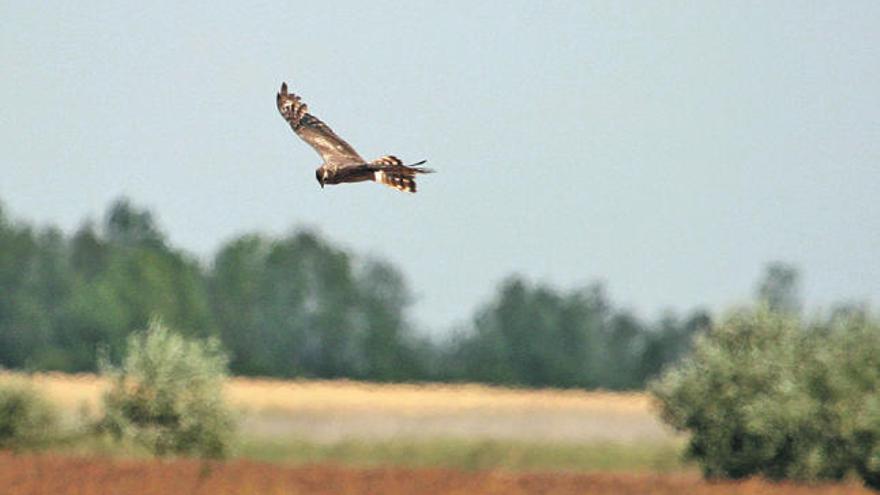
pixel 335 410
pixel 322 395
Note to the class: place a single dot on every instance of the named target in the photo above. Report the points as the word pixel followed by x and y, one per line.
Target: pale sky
pixel 669 149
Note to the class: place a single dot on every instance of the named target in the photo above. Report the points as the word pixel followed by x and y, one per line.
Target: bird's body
pixel 341 162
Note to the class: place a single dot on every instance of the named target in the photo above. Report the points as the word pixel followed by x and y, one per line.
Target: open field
pixel 347 437
pixel 473 455
pixel 469 427
pixel 333 411
pixel 58 475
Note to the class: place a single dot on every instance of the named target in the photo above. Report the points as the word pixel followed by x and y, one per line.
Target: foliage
pixel 844 381
pixel 27 419
pixel 538 336
pixel 299 306
pixel 763 394
pixel 168 395
pixel 63 298
pixel 779 288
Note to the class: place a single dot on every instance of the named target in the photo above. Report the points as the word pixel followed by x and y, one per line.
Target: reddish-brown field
pixel 59 475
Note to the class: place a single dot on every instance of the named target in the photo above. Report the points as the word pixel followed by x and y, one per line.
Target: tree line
pixel 299 306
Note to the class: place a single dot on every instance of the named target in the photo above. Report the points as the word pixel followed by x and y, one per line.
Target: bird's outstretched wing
pixel 332 148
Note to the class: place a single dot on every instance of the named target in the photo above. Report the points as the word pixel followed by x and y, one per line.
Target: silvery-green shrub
pixel 168 395
pixel 765 394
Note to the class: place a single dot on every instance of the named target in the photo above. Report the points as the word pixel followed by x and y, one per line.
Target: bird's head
pixel 321 176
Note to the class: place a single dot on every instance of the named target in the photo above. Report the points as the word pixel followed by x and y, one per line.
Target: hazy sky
pixel 669 149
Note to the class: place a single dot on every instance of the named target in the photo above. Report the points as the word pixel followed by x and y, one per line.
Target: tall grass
pixel 27 419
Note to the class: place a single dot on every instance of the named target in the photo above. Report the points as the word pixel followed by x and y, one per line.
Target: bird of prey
pixel 341 162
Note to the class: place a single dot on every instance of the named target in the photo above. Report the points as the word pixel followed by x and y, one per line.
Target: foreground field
pixel 348 437
pixel 57 475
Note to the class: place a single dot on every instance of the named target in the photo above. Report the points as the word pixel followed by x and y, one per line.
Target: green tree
pixel 764 394
pixel 124 278
pixel 34 281
pixel 724 393
pixel 843 381
pixel 307 299
pixel 236 283
pixel 127 225
pixel 89 254
pixel 49 281
pixel 298 306
pixel 535 336
pixel 390 351
pixel 669 341
pixel 779 288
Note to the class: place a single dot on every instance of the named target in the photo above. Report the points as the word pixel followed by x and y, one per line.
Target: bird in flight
pixel 341 162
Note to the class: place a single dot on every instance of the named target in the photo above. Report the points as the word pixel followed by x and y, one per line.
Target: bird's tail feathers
pixel 389 170
pixel 386 161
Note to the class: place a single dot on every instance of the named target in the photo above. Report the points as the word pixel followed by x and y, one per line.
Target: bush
pixel 846 375
pixel 27 419
pixel 761 394
pixel 168 395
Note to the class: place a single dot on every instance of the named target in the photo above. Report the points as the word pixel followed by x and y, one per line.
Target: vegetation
pixel 443 453
pixel 168 395
pixel 472 455
pixel 763 393
pixel 344 422
pixel 27 420
pixel 298 306
pixel 540 337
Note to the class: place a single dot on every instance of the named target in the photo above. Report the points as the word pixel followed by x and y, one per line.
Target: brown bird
pixel 341 162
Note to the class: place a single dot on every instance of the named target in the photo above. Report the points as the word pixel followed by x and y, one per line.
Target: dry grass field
pixel 58 475
pixel 330 411
pixel 468 427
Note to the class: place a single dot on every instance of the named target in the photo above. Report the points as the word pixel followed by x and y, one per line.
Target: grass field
pixel 454 426
pixel 329 411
